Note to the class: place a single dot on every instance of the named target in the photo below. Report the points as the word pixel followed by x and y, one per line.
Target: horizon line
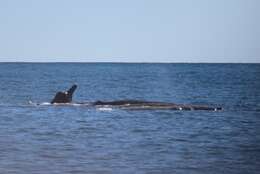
pixel 125 62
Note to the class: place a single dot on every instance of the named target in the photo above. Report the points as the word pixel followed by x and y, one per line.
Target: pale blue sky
pixel 130 31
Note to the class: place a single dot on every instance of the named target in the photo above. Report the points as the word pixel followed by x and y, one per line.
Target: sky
pixel 130 31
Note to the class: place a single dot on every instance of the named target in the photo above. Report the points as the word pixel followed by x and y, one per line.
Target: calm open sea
pixel 49 139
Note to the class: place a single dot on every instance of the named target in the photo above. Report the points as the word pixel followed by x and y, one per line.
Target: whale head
pixel 64 97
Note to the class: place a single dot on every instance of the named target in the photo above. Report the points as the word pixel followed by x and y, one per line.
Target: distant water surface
pixel 76 139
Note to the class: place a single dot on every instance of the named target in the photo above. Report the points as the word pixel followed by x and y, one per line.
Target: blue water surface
pixel 45 139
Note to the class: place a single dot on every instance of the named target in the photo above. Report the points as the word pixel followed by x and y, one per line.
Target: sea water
pixel 82 139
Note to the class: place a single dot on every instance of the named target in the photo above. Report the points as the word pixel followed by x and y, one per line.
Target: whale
pixel 65 97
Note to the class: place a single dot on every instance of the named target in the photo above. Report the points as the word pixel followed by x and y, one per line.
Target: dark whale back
pixel 139 104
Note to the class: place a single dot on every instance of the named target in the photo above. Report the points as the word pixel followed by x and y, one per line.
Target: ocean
pixel 47 139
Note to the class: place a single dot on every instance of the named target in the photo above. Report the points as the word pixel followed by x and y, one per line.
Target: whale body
pixel 66 97
pixel 139 104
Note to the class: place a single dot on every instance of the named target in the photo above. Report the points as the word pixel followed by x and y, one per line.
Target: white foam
pixel 75 104
pixel 105 109
pixel 58 104
pixel 31 103
pixel 45 103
